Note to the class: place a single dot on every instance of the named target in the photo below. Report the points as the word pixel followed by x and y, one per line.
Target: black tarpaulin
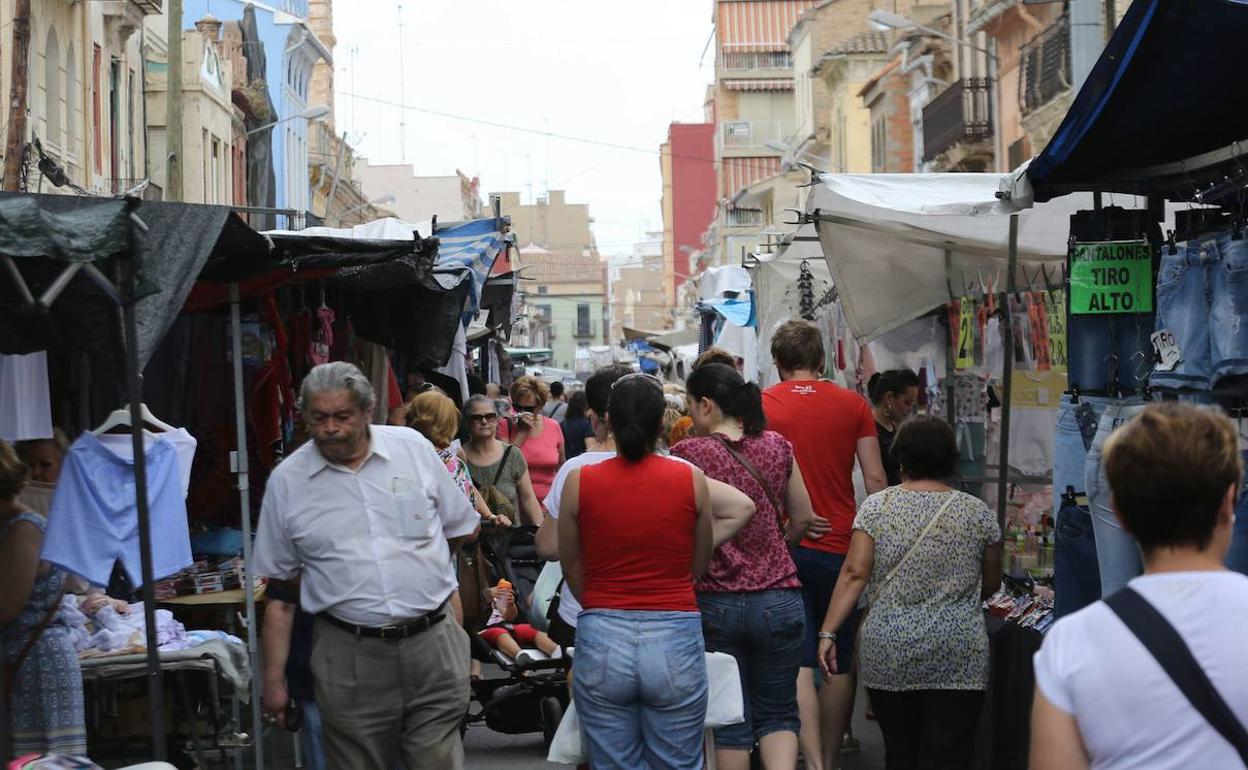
pixel 172 248
pixel 1167 90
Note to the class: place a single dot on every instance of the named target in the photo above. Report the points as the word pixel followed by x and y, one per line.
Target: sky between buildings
pixel 487 80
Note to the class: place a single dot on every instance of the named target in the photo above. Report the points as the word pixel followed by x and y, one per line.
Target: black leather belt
pixel 390 633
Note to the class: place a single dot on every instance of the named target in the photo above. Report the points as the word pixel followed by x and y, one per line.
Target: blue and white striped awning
pixel 469 246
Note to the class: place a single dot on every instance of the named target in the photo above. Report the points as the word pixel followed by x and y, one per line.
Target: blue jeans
pixel 1237 556
pixel 1070 454
pixel 765 631
pixel 818 571
pixel 1077 579
pixel 310 736
pixel 640 688
pixel 1117 553
pixel 1109 352
pixel 1201 293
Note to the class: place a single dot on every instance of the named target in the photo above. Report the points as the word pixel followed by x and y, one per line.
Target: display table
pixel 218 660
pixel 1004 737
pixel 204 600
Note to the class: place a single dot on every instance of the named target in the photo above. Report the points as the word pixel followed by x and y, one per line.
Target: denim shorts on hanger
pixel 1202 299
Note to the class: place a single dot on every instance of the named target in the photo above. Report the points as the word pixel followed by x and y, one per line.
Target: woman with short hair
pixel 927 555
pixel 1104 698
pixel 538 437
pixel 497 465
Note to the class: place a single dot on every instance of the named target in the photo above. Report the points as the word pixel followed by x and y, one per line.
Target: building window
pixel 879 146
pixel 542 289
pixel 584 327
pixel 52 87
pixel 96 122
pixel 73 100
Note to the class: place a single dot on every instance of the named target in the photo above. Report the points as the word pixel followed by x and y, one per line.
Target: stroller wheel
pixel 552 714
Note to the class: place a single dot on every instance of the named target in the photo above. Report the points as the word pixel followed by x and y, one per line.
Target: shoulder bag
pixel 753 471
pixel 498 503
pixel 1166 645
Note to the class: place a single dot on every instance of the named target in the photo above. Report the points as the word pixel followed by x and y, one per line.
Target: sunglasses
pixel 490 417
pixel 639 376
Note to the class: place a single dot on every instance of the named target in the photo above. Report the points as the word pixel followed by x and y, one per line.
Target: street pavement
pixel 488 750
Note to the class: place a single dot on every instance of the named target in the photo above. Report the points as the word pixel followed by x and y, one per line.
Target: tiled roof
pixel 544 266
pixel 867 42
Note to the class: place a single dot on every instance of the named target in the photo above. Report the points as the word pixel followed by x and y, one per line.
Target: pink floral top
pixel 458 470
pixel 757 559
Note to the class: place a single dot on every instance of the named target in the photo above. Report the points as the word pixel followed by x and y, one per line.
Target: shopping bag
pixel 725 705
pixel 544 591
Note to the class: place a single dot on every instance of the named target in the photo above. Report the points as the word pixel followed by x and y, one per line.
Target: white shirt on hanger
pixel 25 404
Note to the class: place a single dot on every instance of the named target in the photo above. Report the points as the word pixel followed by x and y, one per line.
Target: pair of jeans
pixel 1076 575
pixel 818 571
pixel 1237 556
pixel 640 688
pixel 1202 296
pixel 765 632
pixel 1117 554
pixel 310 742
pixel 1070 450
pixel 928 729
pixel 1109 353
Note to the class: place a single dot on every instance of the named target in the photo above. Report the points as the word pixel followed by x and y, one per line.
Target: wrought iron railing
pixel 1044 67
pixel 962 113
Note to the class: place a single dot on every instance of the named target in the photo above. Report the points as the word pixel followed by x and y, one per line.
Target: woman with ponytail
pixel 750 597
pixel 635 532
pixel 893 395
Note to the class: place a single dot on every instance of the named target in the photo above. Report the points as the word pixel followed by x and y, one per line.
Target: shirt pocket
pixel 416 514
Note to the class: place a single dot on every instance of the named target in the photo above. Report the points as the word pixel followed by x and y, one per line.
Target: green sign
pixel 1111 277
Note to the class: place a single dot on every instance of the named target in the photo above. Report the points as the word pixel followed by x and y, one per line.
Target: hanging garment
pixel 456 367
pixel 94 519
pixel 25 406
pixel 183 443
pixel 322 336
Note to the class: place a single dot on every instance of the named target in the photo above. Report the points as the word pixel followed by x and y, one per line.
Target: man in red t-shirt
pixel 829 427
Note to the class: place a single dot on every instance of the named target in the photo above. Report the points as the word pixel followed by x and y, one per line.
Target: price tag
pixel 966 334
pixel 1111 277
pixel 1168 354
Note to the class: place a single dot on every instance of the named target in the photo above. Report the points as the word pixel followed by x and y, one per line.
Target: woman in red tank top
pixel 634 535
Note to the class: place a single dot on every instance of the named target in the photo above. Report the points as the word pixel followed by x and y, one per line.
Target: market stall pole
pixel 1007 377
pixel 244 501
pixel 129 296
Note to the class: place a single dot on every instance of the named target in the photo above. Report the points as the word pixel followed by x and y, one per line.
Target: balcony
pixel 1044 67
pixel 742 63
pixel 744 217
pixel 961 114
pixel 754 135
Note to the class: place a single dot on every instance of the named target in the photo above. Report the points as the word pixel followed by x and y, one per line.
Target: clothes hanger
pixel 120 418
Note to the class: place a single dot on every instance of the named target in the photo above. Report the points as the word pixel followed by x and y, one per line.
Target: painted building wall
pixel 693 192
pixel 291 53
pixel 550 222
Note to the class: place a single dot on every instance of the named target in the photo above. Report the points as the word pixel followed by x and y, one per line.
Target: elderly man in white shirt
pixel 366 517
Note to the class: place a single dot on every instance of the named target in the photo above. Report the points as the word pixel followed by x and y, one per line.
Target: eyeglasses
pixel 520 408
pixel 639 376
pixel 491 417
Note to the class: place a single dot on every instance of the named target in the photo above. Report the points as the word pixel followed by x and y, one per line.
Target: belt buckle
pixel 386 631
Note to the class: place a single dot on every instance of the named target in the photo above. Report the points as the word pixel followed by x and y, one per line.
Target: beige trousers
pixel 385 701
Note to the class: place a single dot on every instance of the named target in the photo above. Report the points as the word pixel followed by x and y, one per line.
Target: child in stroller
pixel 505 635
pixel 532 692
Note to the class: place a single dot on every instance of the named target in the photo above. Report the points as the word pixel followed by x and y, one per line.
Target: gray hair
pixel 479 399
pixel 338 375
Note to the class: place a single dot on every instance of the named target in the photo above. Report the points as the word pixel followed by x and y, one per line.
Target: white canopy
pixel 885 236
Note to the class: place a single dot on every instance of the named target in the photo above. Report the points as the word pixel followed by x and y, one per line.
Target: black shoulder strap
pixel 1165 644
pixel 502 464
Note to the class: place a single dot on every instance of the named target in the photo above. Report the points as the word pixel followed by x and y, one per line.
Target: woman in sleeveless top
pixel 750 598
pixel 631 552
pixel 46 713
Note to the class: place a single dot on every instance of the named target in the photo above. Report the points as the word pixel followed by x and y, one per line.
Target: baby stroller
pixel 529 698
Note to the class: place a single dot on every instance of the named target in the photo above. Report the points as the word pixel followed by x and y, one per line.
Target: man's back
pixel 1130 713
pixel 823 422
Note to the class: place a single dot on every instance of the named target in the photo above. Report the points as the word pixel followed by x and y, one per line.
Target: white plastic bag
pixel 725 706
pixel 543 594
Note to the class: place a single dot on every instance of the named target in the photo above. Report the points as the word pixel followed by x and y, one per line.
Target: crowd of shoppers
pixel 716 517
